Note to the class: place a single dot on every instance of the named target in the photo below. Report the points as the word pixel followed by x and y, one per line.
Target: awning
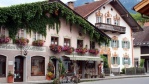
pixel 89 58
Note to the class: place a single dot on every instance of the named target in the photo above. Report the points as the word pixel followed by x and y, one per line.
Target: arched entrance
pixel 19 69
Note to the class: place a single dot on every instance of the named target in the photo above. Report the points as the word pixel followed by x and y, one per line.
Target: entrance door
pixel 18 69
pixel 148 66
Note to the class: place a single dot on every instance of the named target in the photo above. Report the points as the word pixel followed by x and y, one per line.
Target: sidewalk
pixel 83 80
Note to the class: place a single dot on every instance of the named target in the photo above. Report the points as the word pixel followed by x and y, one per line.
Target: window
pixel 116 22
pixel 37 66
pixel 54 40
pixel 126 44
pixel 126 60
pixel 66 42
pixel 114 43
pixel 37 36
pixel 98 19
pixel 115 60
pixel 136 62
pixel 2 66
pixel 108 21
pixel 92 45
pixel 2 31
pixel 21 33
pixel 79 43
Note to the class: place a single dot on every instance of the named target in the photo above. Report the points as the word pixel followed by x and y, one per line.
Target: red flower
pixel 81 50
pixel 4 39
pixel 94 51
pixel 55 48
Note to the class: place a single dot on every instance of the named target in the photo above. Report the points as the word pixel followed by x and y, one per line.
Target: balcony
pixel 112 28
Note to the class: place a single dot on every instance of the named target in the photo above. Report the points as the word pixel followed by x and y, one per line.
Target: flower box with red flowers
pixel 81 50
pixel 55 48
pixel 38 43
pixel 65 48
pixel 21 41
pixel 4 39
pixel 94 51
pixel 70 50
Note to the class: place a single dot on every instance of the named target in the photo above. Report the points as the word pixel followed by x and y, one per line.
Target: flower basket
pixel 38 43
pixel 21 41
pixel 70 50
pixel 94 51
pixel 10 77
pixel 81 50
pixel 4 39
pixel 65 48
pixel 49 75
pixel 56 48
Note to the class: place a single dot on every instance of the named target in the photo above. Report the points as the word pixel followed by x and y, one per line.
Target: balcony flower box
pixel 81 50
pixel 94 51
pixel 38 43
pixel 65 48
pixel 21 41
pixel 56 48
pixel 70 50
pixel 4 39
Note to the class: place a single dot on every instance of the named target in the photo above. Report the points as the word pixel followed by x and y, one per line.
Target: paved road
pixel 144 80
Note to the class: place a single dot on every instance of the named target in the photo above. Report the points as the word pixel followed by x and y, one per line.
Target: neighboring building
pixel 142 7
pixel 141 47
pixel 112 18
pixel 29 55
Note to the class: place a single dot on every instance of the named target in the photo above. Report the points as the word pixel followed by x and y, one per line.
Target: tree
pixel 105 60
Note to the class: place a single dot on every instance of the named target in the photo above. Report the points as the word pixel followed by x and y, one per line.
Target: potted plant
pixel 56 48
pixel 49 75
pixel 21 41
pixel 4 39
pixel 10 77
pixel 94 51
pixel 38 43
pixel 81 50
pixel 70 50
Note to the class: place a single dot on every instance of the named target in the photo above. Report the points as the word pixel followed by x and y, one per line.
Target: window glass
pixel 66 42
pixel 108 20
pixel 37 66
pixel 2 66
pixel 92 45
pixel 116 22
pixel 115 60
pixel 37 36
pixel 54 40
pixel 99 19
pixel 79 43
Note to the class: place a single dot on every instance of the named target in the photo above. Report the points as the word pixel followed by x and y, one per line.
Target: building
pixel 33 34
pixel 112 18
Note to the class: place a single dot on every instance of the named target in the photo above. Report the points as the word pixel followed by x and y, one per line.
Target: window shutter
pixel 123 60
pixel 118 60
pixel 112 43
pixel 128 61
pixel 112 60
pixel 122 44
pixel 128 44
pixel 117 43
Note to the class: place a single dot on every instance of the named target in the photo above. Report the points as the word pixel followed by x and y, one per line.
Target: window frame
pixel 115 43
pixel 54 42
pixel 116 60
pixel 37 36
pixel 38 58
pixel 78 45
pixel 99 19
pixel 20 35
pixel 4 69
pixel 92 45
pixel 68 42
pixel 107 20
pixel 117 22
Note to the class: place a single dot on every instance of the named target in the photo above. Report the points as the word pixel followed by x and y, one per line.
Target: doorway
pixel 18 69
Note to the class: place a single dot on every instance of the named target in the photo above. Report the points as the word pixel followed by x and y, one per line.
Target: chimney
pixel 71 4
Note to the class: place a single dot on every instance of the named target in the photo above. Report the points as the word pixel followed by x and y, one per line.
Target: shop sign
pixel 28 48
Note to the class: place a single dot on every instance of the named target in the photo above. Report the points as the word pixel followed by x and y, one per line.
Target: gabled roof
pixel 88 9
pixel 142 7
pixel 142 38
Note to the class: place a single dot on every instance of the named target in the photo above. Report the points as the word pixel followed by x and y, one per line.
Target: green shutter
pixel 118 60
pixel 112 60
pixel 128 44
pixel 122 44
pixel 112 43
pixel 123 60
pixel 117 43
pixel 128 61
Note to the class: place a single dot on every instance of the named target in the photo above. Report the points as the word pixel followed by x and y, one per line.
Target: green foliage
pixel 34 17
pixel 123 70
pixel 105 60
pixel 142 63
pixel 139 18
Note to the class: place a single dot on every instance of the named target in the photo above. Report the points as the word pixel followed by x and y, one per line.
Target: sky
pixel 5 3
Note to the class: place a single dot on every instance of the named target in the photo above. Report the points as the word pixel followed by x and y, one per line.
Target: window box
pixel 55 48
pixel 81 50
pixel 65 48
pixel 38 43
pixel 94 51
pixel 4 39
pixel 21 41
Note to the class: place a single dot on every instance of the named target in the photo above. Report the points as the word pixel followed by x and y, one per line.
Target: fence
pixel 115 71
pixel 134 71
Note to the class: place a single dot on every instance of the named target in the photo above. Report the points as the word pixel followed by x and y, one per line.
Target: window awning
pixel 89 58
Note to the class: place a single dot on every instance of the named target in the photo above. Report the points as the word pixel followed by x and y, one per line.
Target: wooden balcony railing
pixel 112 28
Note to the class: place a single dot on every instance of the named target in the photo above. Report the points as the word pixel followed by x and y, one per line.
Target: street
pixel 144 80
